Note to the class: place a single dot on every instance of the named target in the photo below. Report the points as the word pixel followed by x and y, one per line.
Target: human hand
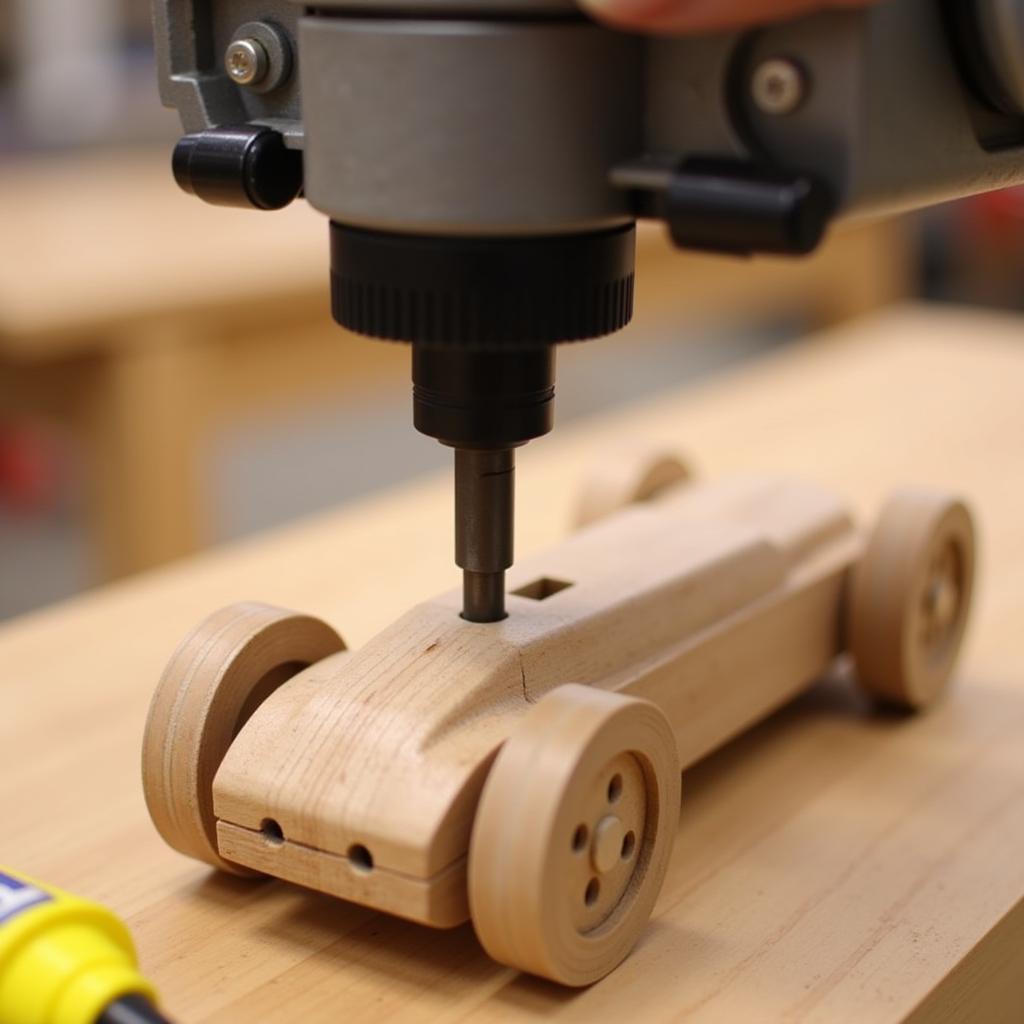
pixel 703 15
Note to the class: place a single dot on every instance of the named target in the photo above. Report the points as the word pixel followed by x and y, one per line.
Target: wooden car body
pixel 360 776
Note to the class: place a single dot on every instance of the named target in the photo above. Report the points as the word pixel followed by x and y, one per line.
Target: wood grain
pixel 833 865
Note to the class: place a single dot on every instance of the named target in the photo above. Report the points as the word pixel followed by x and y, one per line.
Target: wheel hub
pixel 607 842
pixel 942 597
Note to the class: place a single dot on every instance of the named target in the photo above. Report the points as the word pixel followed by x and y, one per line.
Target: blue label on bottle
pixel 17 896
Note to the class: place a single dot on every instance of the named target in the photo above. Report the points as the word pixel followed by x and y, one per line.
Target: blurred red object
pixel 30 469
pixel 996 215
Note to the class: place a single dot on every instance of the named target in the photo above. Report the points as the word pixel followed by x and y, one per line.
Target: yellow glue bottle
pixel 64 960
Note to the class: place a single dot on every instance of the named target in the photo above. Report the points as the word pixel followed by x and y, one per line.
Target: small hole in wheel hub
pixel 579 839
pixel 628 845
pixel 614 788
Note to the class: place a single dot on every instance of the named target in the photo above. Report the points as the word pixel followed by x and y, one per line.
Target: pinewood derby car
pixel 526 773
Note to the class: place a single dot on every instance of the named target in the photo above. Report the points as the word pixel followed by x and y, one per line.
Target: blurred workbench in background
pixel 833 865
pixel 144 319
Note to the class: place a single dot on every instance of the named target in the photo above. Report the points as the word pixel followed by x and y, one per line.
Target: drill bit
pixel 484 524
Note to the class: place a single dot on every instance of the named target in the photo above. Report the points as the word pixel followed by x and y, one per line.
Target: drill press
pixel 483 164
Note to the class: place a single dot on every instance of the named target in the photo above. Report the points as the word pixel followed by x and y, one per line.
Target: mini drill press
pixel 483 164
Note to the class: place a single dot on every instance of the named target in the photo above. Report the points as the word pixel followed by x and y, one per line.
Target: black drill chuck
pixel 482 293
pixel 470 398
pixel 483 316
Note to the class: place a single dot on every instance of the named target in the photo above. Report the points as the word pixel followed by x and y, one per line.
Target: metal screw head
pixel 779 86
pixel 246 62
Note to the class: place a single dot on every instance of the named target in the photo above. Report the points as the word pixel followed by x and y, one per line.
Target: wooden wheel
pixel 216 679
pixel 573 834
pixel 627 474
pixel 911 596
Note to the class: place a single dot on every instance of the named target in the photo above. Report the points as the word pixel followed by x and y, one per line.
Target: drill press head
pixel 462 159
pixel 483 162
pixel 463 162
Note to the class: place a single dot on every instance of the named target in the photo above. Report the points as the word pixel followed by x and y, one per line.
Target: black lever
pixel 239 165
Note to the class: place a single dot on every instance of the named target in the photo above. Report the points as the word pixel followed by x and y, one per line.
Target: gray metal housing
pixel 469 122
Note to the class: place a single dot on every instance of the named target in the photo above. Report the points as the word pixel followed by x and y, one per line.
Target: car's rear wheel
pixel 626 474
pixel 910 598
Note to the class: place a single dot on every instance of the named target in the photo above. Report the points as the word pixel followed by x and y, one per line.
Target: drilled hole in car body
pixel 272 832
pixel 360 858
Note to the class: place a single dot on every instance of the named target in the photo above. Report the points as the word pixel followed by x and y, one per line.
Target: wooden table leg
pixel 873 266
pixel 144 421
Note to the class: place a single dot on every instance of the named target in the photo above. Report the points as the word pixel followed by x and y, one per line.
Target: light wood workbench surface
pixel 832 865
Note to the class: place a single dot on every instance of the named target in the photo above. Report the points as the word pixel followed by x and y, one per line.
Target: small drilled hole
pixel 628 845
pixel 579 839
pixel 272 832
pixel 360 858
pixel 592 893
pixel 614 789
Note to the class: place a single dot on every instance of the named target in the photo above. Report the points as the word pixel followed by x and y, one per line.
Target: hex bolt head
pixel 779 86
pixel 247 62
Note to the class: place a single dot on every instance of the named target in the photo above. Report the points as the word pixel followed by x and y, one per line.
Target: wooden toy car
pixel 527 773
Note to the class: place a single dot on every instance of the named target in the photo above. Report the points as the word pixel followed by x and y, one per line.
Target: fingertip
pixel 637 14
pixel 684 16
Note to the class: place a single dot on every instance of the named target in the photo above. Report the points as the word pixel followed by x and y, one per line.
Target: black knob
pixel 733 207
pixel 239 165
